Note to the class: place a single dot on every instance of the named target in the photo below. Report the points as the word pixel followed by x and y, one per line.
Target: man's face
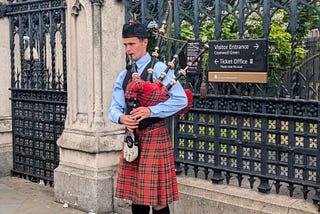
pixel 135 48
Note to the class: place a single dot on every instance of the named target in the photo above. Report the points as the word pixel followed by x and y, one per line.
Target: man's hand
pixel 140 113
pixel 129 122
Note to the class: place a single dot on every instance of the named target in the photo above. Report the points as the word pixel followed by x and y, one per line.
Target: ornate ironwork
pixel 38 85
pixel 3 10
pixel 261 132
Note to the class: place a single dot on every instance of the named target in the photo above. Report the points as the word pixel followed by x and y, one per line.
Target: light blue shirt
pixel 177 97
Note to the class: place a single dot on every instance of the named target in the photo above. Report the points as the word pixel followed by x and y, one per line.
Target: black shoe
pixel 165 210
pixel 140 209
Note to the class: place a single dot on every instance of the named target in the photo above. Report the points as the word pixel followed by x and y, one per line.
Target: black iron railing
pixel 266 133
pixel 38 85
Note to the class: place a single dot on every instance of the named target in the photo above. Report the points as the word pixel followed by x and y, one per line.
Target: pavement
pixel 21 196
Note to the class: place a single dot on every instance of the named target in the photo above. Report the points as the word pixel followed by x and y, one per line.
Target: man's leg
pixel 140 209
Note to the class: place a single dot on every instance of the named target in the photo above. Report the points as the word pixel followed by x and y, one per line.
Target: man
pixel 150 180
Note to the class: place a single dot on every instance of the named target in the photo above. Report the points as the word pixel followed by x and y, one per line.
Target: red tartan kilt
pixel 151 178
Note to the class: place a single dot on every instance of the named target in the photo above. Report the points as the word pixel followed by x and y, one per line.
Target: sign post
pixel 238 61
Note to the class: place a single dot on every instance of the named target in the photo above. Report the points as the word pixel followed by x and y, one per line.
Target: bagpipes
pixel 147 92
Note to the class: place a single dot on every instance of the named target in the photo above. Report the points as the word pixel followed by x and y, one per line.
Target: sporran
pixel 130 147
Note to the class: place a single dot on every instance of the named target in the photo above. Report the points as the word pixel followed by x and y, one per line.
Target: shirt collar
pixel 143 61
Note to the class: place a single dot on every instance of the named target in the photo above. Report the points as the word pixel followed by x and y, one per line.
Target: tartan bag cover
pixel 151 178
pixel 152 93
pixel 147 93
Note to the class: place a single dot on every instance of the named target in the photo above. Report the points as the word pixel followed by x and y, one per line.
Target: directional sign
pixel 238 61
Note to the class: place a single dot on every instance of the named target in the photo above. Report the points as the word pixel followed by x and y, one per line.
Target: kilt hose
pixel 151 178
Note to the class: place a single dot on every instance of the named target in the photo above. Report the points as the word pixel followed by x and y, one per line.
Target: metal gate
pixel 268 134
pixel 38 85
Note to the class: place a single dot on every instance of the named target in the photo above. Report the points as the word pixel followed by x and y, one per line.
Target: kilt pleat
pixel 151 178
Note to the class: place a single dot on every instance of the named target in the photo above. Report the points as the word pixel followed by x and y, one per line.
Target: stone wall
pixel 202 196
pixel 5 104
pixel 90 143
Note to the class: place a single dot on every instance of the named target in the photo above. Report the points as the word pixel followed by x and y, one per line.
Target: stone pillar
pixel 5 107
pixel 90 144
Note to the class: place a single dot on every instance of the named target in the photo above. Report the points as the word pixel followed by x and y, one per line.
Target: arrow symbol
pixel 216 61
pixel 256 46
